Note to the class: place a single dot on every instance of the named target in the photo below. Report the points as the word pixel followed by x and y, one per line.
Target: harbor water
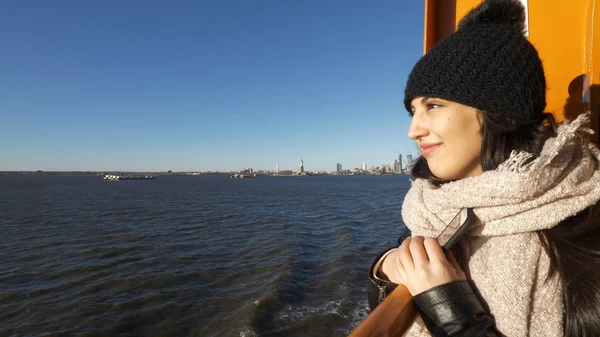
pixel 192 256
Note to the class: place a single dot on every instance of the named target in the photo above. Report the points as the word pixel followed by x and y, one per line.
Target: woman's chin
pixel 446 177
pixel 445 173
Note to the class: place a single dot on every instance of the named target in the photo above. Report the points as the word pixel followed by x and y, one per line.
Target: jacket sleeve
pixel 377 289
pixel 453 309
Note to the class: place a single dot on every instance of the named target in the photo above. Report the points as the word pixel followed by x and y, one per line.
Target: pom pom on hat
pixel 496 12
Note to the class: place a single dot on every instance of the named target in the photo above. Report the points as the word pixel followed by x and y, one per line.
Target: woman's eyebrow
pixel 423 101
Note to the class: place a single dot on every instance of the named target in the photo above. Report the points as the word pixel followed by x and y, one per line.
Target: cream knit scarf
pixel 507 262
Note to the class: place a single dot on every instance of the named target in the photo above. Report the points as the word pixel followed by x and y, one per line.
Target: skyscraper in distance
pixel 400 162
pixel 339 168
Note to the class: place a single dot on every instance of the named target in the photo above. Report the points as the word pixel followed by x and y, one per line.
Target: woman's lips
pixel 428 148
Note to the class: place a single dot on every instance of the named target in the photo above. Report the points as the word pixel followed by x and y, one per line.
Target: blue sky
pixel 205 85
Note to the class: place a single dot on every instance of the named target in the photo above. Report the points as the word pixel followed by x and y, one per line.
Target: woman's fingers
pixel 400 271
pixel 434 250
pixel 422 264
pixel 405 256
pixel 417 250
pixel 391 269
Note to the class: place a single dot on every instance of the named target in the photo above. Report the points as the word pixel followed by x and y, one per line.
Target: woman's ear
pixel 480 118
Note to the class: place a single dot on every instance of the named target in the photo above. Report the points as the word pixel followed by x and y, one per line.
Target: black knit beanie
pixel 487 64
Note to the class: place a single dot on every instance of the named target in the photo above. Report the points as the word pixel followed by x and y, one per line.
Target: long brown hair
pixel 573 246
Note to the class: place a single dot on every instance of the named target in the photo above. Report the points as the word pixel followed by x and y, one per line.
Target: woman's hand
pixel 420 264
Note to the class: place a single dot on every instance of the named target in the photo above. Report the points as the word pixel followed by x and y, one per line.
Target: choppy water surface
pixel 191 256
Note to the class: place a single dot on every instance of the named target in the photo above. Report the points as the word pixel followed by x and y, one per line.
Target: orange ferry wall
pixel 563 33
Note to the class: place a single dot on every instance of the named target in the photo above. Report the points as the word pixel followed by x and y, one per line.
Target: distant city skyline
pixel 205 85
pixel 275 168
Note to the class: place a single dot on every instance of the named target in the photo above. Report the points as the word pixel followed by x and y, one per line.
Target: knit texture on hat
pixel 487 64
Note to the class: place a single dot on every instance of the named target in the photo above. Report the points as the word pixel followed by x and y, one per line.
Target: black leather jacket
pixel 451 309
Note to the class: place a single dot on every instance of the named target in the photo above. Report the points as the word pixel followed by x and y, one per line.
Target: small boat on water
pixel 113 177
pixel 243 175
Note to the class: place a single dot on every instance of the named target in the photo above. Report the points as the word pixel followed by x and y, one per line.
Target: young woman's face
pixel 448 135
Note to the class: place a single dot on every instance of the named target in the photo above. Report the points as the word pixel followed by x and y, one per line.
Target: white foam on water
pixel 345 286
pixel 357 315
pixel 247 333
pixel 299 313
pixel 360 312
pixel 354 317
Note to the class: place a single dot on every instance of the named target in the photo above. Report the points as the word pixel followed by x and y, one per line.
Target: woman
pixel 529 266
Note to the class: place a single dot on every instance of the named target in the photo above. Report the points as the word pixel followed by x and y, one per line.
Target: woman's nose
pixel 417 128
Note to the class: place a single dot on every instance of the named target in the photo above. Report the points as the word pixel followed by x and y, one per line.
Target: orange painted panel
pixel 563 33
